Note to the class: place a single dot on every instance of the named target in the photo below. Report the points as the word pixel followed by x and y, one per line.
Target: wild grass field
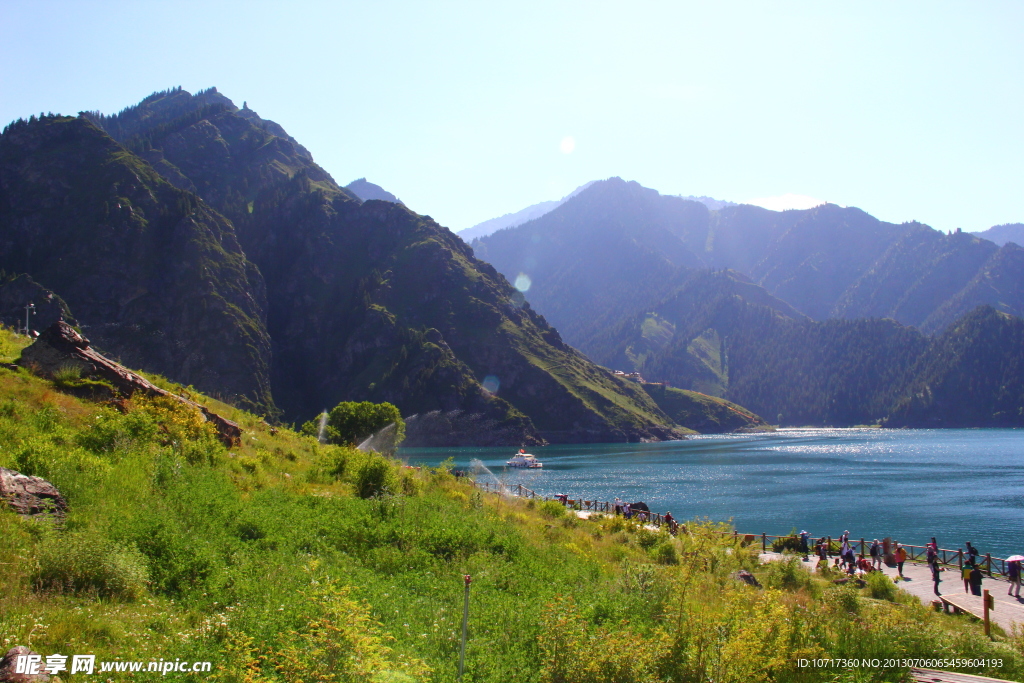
pixel 286 560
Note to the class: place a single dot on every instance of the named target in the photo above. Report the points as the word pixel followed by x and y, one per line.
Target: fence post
pixel 988 565
pixel 828 548
pixel 862 548
pixel 960 558
pixel 988 601
pixel 764 542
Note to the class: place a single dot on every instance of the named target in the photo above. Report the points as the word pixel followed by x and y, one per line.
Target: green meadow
pixel 286 560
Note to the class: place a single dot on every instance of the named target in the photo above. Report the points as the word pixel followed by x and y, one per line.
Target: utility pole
pixel 465 626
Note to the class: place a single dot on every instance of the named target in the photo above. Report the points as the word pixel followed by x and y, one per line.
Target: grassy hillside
pixel 703 413
pixel 267 561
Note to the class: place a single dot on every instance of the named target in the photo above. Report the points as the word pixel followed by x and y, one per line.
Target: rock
pixel 747 578
pixel 61 346
pixel 9 662
pixel 30 496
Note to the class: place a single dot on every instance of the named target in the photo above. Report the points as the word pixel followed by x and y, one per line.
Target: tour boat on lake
pixel 524 459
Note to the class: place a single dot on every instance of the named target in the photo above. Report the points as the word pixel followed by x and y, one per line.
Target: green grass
pixel 264 560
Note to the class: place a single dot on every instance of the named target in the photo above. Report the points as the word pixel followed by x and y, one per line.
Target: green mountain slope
pixel 369 300
pixel 971 374
pixel 158 277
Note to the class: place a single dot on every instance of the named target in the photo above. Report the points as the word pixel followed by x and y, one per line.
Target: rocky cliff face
pixel 155 274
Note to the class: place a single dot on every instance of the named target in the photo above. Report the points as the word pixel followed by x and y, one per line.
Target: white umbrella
pixel 1015 558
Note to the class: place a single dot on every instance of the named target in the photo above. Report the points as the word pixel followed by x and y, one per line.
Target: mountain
pixel 971 374
pixel 618 248
pixel 155 275
pixel 1001 234
pixel 511 220
pixel 366 190
pixel 367 300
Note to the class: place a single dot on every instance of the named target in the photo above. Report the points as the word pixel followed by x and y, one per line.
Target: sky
pixel 471 110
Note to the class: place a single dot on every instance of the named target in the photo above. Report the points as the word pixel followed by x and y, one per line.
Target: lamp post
pixel 29 308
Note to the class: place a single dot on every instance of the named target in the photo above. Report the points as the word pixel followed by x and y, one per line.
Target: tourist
pixel 875 551
pixel 865 566
pixel 975 580
pixel 936 578
pixel 965 574
pixel 1013 574
pixel 618 505
pixel 627 511
pixel 901 557
pixel 670 521
pixel 804 545
pixel 972 553
pixel 932 551
pixel 822 552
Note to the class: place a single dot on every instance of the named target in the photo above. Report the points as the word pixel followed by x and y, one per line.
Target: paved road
pixel 1008 610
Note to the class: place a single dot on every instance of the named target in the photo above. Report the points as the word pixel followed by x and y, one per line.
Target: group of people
pixel 849 562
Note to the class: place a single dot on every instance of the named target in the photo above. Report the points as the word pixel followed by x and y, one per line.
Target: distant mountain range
pixel 511 220
pixel 1001 234
pixel 193 238
pixel 781 312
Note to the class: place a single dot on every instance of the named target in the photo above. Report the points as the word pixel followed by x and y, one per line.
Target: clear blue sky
pixel 909 110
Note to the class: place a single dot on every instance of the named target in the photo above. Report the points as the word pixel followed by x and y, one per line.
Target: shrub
pixel 80 562
pixel 666 554
pixel 552 509
pixel 881 586
pixel 646 538
pixel 788 574
pixel 377 476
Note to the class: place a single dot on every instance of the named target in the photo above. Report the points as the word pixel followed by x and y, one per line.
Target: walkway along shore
pixel 992 566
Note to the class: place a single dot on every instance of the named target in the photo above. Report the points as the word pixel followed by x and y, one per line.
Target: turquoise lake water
pixel 956 485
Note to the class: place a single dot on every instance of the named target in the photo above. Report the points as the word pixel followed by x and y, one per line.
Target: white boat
pixel 524 459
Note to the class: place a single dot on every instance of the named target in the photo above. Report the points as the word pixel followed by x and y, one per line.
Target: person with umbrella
pixel 1013 573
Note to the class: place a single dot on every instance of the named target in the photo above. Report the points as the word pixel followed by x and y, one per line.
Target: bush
pixel 788 574
pixel 881 586
pixel 377 476
pixel 666 554
pixel 82 563
pixel 552 509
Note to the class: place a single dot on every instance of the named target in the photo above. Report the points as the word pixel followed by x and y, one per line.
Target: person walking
pixel 901 557
pixel 936 576
pixel 805 545
pixel 975 580
pixel 875 551
pixel 965 574
pixel 1013 574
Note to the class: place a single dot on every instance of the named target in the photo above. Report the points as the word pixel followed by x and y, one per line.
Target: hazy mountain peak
pixel 511 220
pixel 1001 234
pixel 366 190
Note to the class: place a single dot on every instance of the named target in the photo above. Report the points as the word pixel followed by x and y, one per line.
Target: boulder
pixel 60 346
pixel 30 496
pixel 747 578
pixel 9 663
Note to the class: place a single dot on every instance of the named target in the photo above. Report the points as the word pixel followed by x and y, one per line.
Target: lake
pixel 957 485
